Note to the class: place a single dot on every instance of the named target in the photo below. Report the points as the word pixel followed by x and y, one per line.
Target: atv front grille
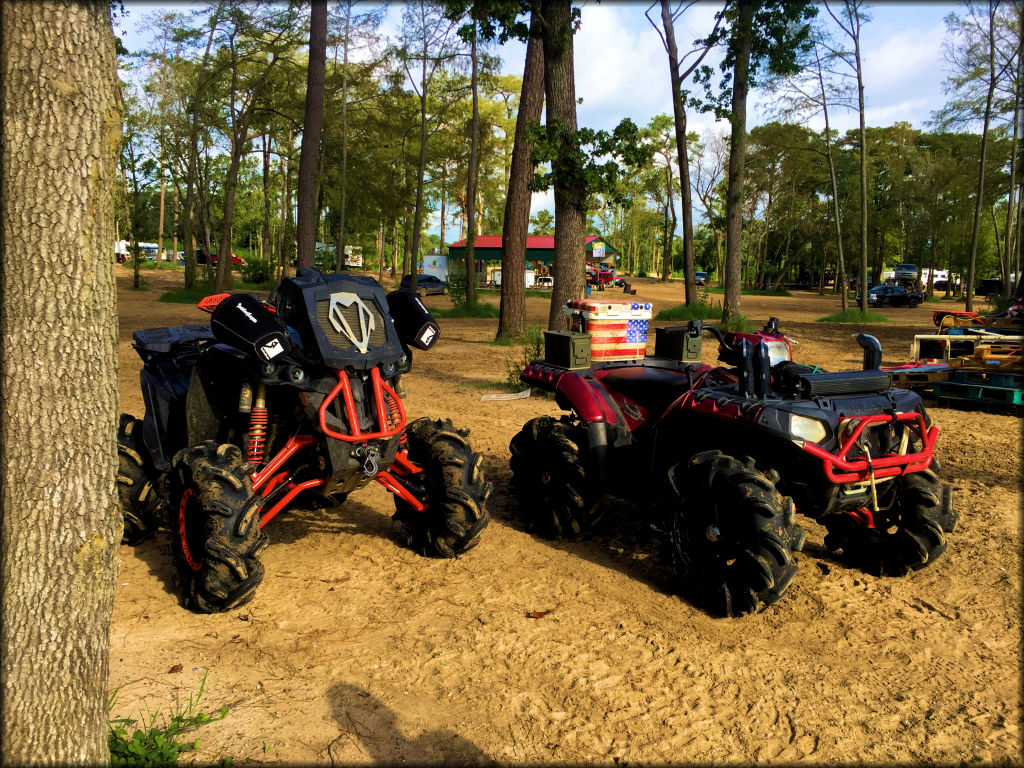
pixel 378 336
pixel 877 437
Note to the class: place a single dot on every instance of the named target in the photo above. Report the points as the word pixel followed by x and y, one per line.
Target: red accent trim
pixel 404 465
pixel 863 516
pixel 395 487
pixel 209 303
pixel 890 465
pixel 272 483
pixel 357 435
pixel 590 400
pixel 186 497
pixel 295 490
pixel 294 444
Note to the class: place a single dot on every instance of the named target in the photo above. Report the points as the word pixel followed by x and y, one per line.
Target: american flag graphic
pixel 618 329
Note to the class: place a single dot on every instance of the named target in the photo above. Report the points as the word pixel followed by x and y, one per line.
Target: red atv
pixel 729 453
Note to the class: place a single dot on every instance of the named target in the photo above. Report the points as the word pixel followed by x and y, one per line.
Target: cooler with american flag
pixel 617 329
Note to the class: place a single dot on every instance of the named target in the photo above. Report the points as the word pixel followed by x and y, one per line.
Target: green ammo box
pixel 567 349
pixel 674 343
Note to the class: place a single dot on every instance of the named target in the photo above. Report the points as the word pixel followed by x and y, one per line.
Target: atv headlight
pixel 807 428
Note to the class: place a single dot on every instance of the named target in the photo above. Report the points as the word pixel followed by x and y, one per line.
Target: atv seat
pixel 653 388
pixel 162 341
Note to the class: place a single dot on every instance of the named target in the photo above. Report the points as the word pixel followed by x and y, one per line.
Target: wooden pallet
pixel 987 358
pixel 917 380
pixel 954 390
pixel 941 347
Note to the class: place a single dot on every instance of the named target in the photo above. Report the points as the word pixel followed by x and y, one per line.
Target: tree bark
pixel 737 156
pixel 862 279
pixel 570 219
pixel 312 126
pixel 61 525
pixel 969 285
pixel 471 180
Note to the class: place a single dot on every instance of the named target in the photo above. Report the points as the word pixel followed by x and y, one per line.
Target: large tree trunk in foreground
pixel 309 160
pixel 737 155
pixel 512 319
pixel 61 526
pixel 570 218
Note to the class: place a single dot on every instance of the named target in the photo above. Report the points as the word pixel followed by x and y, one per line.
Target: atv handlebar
pixel 696 327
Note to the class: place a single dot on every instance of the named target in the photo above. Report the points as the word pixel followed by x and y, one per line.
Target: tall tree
pixel 569 186
pixel 760 33
pixel 677 77
pixel 311 128
pixel 429 44
pixel 61 525
pixel 851 19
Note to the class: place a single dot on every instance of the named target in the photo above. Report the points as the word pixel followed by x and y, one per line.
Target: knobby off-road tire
pixel 733 535
pixel 548 476
pixel 908 536
pixel 451 485
pixel 216 539
pixel 136 483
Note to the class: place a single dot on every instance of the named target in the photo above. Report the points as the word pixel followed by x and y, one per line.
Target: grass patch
pixel 752 291
pixel 698 311
pixel 153 264
pixel 738 323
pixel 155 745
pixel 204 289
pixel 854 316
pixel 479 310
pixel 532 349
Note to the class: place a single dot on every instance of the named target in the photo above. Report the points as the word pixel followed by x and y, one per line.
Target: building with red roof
pixel 540 252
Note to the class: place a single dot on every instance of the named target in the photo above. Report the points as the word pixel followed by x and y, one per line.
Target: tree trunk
pixel 969 284
pixel 570 219
pixel 421 170
pixel 285 207
pixel 1006 261
pixel 311 129
pixel 61 525
pixel 471 182
pixel 160 225
pixel 862 280
pixel 679 114
pixel 224 280
pixel 737 156
pixel 266 251
pixel 174 246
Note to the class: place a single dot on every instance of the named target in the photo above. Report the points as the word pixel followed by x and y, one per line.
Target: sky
pixel 622 69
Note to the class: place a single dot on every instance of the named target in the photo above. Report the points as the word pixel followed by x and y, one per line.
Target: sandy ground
pixel 357 650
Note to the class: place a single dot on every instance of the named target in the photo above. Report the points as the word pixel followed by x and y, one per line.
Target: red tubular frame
pixel 357 435
pixel 891 465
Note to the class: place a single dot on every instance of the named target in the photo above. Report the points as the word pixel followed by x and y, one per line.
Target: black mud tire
pixel 451 485
pixel 733 534
pixel 136 483
pixel 549 478
pixel 216 538
pixel 909 535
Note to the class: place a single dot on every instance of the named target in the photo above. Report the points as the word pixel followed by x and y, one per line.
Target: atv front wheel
pixel 140 503
pixel 733 534
pixel 907 536
pixel 451 485
pixel 216 539
pixel 548 475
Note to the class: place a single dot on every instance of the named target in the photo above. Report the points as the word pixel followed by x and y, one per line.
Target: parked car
pixel 545 281
pixel 429 284
pixel 905 272
pixel 893 295
pixel 701 278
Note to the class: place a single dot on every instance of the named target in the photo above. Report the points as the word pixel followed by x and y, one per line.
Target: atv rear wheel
pixel 140 503
pixel 907 536
pixel 555 496
pixel 451 485
pixel 733 534
pixel 215 527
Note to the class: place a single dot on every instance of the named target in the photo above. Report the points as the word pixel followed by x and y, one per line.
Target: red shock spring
pixel 257 435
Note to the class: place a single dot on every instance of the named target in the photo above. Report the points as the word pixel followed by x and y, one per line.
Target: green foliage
pixel 698 311
pixel 156 745
pixel 854 316
pixel 753 291
pixel 574 159
pixel 532 349
pixel 256 270
pixel 739 323
pixel 204 289
pixel 465 309
pixel 456 288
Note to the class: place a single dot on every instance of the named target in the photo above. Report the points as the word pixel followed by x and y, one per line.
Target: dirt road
pixel 357 650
